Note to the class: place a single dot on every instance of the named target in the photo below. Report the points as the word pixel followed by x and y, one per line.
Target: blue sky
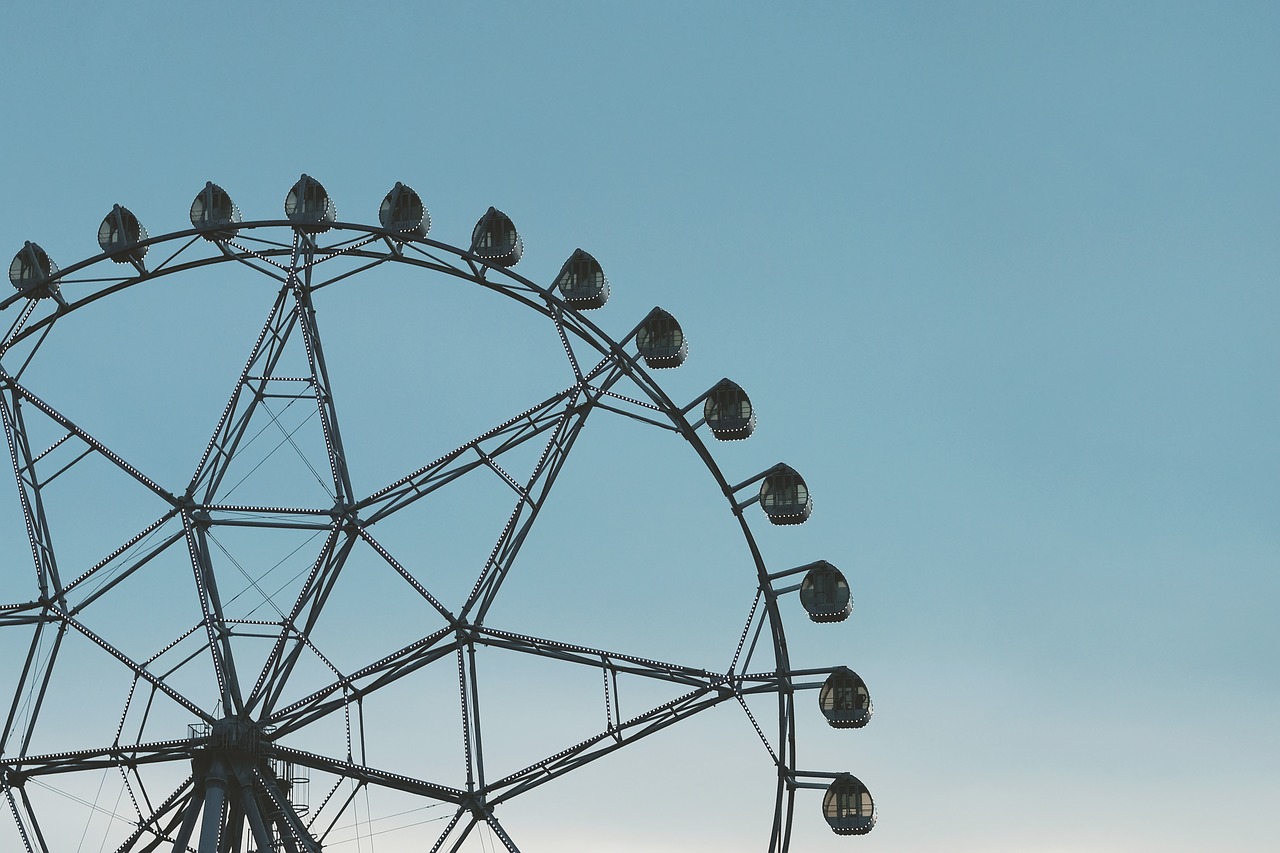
pixel 1000 279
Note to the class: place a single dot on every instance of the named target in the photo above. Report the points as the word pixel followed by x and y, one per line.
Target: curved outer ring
pixel 582 327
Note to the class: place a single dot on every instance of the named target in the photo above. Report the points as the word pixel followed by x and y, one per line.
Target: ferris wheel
pixel 248 626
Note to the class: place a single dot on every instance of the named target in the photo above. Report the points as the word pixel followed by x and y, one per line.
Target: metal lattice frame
pixel 234 787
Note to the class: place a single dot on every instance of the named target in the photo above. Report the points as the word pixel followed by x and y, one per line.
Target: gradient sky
pixel 999 277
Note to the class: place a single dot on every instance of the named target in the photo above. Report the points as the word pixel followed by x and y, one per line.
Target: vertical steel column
pixel 215 795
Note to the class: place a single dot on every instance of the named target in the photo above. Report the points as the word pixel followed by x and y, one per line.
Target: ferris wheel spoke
pixel 260 380
pixel 26 468
pixel 23 613
pixel 315 591
pixel 124 568
pixel 173 808
pixel 38 533
pixel 772 684
pixel 40 773
pixel 469 695
pixel 630 407
pixel 453 822
pixel 140 670
pixel 611 662
pixel 214 619
pixel 9 337
pixel 377 260
pixel 19 769
pixel 482 451
pixel 29 693
pixel 259 260
pixel 602 379
pixel 366 774
pixel 598 390
pixel 492 819
pixel 598 384
pixel 353 248
pixel 31 481
pixel 533 495
pixel 364 682
pixel 558 316
pixel 24 818
pixel 320 384
pixel 408 577
pixel 606 742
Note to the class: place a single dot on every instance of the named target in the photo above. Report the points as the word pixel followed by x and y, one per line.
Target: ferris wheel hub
pixel 236 735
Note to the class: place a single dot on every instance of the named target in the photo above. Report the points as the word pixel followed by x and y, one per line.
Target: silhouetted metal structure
pixel 238 781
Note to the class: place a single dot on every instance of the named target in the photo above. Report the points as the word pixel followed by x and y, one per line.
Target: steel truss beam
pixel 479 452
pixel 615 662
pixel 608 741
pixel 368 775
pixel 364 681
